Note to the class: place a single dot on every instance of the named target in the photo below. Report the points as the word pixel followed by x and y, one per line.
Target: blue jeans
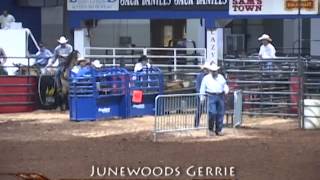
pixel 268 66
pixel 216 112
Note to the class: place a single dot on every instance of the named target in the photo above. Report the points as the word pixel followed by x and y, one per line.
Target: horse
pixel 63 91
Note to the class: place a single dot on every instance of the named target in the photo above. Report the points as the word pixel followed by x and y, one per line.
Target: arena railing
pixel 172 61
pixel 16 66
pixel 285 87
pixel 24 66
pixel 268 85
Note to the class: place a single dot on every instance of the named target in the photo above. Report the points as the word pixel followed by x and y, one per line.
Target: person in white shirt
pixel 6 19
pixel 141 69
pixel 142 64
pixel 267 50
pixel 215 87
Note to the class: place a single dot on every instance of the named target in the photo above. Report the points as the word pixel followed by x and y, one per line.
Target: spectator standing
pixel 42 57
pixel 142 64
pixel 6 19
pixel 267 50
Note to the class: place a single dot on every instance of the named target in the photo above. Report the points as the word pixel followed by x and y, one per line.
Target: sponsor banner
pixel 272 7
pixel 173 4
pixel 214 44
pixel 93 5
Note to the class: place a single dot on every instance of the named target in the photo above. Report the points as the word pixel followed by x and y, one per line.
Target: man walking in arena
pixel 215 86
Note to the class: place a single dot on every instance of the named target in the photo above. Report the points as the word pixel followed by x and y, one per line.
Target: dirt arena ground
pixel 48 143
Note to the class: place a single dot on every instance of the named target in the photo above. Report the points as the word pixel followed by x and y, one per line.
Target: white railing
pixel 178 57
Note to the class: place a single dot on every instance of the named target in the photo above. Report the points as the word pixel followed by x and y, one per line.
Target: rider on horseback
pixel 61 52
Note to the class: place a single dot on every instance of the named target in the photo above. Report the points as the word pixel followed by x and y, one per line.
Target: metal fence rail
pixel 175 63
pixel 310 118
pixel 270 87
pixel 178 112
pixel 185 112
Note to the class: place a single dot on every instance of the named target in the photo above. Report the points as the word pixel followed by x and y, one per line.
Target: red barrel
pixel 294 87
pixel 18 94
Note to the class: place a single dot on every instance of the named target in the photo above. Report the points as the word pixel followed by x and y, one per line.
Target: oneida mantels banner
pixel 93 5
pixel 118 5
pixel 272 7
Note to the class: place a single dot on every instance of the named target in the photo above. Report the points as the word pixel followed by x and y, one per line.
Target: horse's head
pixel 72 59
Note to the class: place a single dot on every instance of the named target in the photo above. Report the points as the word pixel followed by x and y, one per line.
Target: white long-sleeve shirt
pixel 267 52
pixel 139 66
pixel 213 85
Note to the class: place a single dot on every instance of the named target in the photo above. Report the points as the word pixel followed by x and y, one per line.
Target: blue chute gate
pixel 101 96
pixel 144 86
pixel 112 86
pixel 82 98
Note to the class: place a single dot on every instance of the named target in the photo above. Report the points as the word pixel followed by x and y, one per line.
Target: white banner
pixel 272 7
pixel 93 5
pixel 214 44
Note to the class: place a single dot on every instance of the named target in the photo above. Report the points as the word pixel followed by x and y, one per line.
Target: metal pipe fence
pixel 174 62
pixel 22 66
pixel 268 85
pixel 310 98
pixel 287 87
pixel 185 112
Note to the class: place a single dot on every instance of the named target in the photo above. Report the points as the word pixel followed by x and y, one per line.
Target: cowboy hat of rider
pixel 267 50
pixel 62 40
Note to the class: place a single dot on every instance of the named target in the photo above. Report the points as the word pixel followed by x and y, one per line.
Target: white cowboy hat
pixel 207 63
pixel 265 37
pixel 212 67
pixel 62 40
pixel 97 64
pixel 82 59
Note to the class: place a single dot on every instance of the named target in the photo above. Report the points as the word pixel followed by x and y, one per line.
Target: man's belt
pixel 215 94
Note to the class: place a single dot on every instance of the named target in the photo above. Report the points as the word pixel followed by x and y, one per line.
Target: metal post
pixel 65 18
pixel 175 63
pixel 301 74
pixel 28 66
pixel 114 57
